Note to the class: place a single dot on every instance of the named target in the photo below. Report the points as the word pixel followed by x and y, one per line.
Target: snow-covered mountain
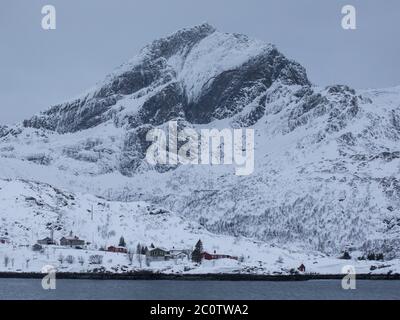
pixel 327 160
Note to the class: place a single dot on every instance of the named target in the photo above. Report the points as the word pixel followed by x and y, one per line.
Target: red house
pixel 215 256
pixel 117 249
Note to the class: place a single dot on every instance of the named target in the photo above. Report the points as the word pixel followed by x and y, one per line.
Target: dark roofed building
pixel 158 254
pixel 71 241
pixel 46 241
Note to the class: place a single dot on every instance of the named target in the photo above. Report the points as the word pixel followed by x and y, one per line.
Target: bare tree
pixel 139 258
pixel 96 259
pixel 81 260
pixel 147 261
pixel 139 249
pixel 70 259
pixel 130 256
pixel 6 261
pixel 61 259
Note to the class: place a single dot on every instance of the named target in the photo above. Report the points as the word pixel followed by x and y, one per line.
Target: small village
pixel 151 252
pixel 144 254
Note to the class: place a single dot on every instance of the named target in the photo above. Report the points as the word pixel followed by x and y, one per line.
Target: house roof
pixel 179 253
pixel 216 254
pixel 159 248
pixel 71 238
pixel 179 250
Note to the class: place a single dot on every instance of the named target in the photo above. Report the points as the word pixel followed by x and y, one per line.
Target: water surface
pixel 196 290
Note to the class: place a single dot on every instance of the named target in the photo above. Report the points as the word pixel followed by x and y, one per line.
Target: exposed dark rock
pixel 232 90
pixel 164 106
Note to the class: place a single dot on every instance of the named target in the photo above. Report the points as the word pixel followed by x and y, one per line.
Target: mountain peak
pixel 204 27
pixel 177 41
pixel 197 72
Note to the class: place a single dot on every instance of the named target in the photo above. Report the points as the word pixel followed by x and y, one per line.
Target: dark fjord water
pixel 193 290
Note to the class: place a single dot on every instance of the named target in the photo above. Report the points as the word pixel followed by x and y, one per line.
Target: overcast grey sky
pixel 39 68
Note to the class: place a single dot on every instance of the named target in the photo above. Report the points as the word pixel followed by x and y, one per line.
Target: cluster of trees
pixel 96 259
pixel 7 261
pixel 140 249
pixel 70 259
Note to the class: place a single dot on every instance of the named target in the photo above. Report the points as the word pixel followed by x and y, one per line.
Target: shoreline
pixel 195 277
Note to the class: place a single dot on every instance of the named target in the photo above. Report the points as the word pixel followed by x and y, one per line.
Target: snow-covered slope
pixel 29 210
pixel 327 159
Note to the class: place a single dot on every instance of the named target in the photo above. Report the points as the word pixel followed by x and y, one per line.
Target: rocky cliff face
pixel 327 159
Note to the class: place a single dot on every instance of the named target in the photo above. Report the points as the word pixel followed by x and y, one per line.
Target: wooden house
pixel 117 249
pixel 46 241
pixel 215 256
pixel 158 254
pixel 72 241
